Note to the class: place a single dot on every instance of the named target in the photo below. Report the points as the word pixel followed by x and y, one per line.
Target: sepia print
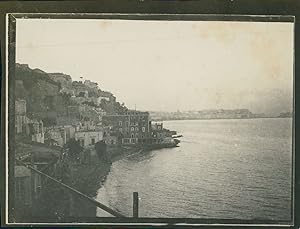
pixel 119 118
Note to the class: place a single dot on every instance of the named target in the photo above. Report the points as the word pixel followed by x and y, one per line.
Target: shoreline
pixel 97 176
pixel 211 119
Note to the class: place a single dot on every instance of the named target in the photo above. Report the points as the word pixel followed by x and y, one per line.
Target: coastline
pixel 96 174
pixel 213 119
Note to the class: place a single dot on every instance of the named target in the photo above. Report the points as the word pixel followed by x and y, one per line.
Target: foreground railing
pixel 84 196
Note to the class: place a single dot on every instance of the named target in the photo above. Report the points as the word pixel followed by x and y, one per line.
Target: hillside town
pixel 67 129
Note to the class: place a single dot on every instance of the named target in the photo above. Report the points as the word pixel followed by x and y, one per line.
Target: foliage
pixel 101 150
pixel 74 148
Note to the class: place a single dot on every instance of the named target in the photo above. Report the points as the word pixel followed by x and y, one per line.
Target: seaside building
pixel 159 133
pixel 131 127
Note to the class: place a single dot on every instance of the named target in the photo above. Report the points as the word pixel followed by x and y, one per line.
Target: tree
pixel 101 150
pixel 74 148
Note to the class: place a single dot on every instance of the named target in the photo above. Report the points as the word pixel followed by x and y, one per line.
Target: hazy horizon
pixel 169 65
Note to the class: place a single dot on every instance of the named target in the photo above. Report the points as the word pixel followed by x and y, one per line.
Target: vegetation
pixel 101 150
pixel 74 148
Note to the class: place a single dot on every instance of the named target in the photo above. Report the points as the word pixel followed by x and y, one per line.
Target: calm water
pixel 233 169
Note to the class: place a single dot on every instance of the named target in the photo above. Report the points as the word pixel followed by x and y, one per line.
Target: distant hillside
pixel 204 114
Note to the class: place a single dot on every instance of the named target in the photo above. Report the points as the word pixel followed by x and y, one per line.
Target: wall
pixel 85 137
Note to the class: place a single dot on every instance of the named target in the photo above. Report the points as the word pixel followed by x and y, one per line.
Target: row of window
pixel 133 129
pixel 129 140
pixel 127 123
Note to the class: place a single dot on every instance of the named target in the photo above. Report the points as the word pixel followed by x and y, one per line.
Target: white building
pixel 88 138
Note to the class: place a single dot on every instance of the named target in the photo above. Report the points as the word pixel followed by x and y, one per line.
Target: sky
pixel 169 65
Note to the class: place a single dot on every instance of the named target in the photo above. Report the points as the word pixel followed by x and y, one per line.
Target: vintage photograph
pixel 152 119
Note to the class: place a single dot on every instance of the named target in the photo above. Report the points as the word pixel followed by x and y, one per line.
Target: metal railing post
pixel 135 204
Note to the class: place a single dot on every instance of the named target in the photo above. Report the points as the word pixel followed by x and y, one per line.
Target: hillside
pixel 48 95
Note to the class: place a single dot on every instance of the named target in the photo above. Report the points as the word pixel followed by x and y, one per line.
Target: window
pixel 143 129
pixel 132 128
pixel 120 129
pixel 81 142
pixel 136 129
pixel 93 141
pixel 132 135
pixel 125 140
pixel 120 123
pixel 137 135
pixel 126 123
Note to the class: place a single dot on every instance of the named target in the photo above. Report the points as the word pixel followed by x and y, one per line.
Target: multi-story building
pixel 131 127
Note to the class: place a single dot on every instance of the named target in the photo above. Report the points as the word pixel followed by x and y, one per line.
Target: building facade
pixel 88 138
pixel 132 127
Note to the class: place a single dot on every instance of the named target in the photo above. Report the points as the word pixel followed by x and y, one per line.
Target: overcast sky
pixel 169 65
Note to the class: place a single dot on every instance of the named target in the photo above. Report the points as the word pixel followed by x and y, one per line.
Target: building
pixel 70 132
pixel 56 136
pixel 20 115
pixel 35 129
pixel 110 140
pixel 131 127
pixel 88 138
pixel 86 125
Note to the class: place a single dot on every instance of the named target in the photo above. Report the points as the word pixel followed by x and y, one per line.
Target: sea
pixel 222 169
